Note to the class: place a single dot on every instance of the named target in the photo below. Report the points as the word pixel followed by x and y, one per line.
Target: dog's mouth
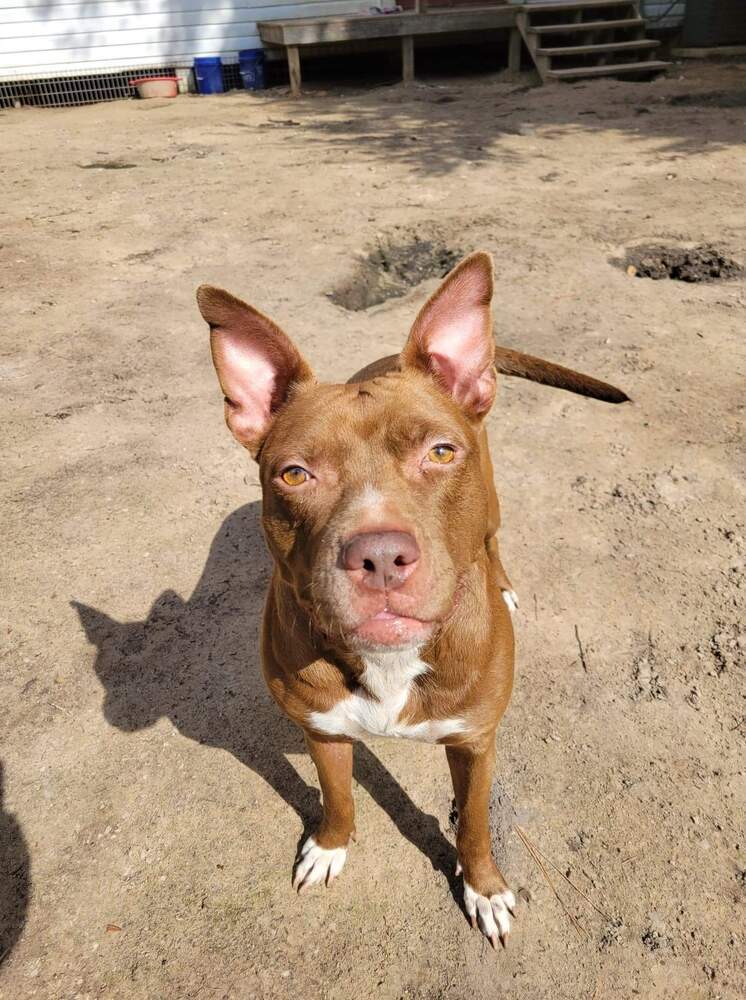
pixel 399 623
pixel 389 630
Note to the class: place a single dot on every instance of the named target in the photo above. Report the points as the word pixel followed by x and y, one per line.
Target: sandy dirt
pixel 153 797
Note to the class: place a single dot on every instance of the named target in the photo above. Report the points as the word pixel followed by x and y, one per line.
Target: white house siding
pixel 67 37
pixel 663 13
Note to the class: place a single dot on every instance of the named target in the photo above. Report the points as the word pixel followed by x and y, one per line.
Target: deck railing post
pixel 407 58
pixel 294 69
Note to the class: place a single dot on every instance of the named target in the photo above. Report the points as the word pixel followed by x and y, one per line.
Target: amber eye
pixel 442 454
pixel 294 475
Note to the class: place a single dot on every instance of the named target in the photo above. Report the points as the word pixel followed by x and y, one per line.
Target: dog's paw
pixel 511 599
pixel 318 864
pixel 492 915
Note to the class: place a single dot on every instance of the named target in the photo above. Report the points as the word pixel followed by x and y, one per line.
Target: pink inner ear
pixel 461 338
pixel 256 363
pixel 461 353
pixel 473 389
pixel 249 381
pixel 458 353
pixel 452 336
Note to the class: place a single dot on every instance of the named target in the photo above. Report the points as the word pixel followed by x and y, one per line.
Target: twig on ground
pixel 579 929
pixel 582 651
pixel 569 881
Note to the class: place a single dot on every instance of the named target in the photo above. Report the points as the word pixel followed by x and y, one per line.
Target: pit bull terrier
pixel 388 612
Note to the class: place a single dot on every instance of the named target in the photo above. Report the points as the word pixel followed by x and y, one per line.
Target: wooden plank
pixel 653 66
pixel 316 31
pixel 706 53
pixel 515 47
pixel 531 42
pixel 565 29
pixel 583 50
pixel 270 33
pixel 294 70
pixel 552 5
pixel 407 58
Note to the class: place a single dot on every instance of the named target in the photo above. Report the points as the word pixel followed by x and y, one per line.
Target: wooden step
pixel 621 69
pixel 543 8
pixel 568 29
pixel 588 50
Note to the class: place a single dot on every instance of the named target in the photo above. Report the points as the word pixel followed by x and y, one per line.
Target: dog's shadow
pixel 197 663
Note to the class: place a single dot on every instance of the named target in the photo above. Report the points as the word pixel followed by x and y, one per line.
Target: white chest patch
pixel 374 709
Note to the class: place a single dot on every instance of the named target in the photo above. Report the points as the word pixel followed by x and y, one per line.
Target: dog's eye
pixel 294 475
pixel 442 454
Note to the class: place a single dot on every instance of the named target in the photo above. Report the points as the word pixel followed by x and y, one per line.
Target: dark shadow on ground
pixel 15 878
pixel 440 123
pixel 196 662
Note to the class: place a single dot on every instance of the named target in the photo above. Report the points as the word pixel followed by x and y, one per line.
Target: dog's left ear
pixel 257 364
pixel 452 336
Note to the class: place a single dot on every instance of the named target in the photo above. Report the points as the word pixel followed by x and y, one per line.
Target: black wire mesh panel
pixel 67 91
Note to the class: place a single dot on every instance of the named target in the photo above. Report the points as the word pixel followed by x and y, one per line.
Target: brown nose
pixel 384 558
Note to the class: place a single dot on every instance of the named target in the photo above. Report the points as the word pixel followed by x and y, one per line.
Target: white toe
pixel 500 913
pixel 511 599
pixel 491 915
pixel 318 864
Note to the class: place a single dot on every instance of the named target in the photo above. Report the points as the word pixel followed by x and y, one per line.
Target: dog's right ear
pixel 258 365
pixel 452 336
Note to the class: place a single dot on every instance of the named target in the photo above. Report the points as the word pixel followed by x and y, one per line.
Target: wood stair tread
pixel 543 8
pixel 652 66
pixel 582 50
pixel 567 29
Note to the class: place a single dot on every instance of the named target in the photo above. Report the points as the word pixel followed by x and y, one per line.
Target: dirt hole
pixel 702 263
pixel 392 268
pixel 712 99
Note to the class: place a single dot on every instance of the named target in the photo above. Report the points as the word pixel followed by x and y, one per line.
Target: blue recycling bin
pixel 251 68
pixel 208 71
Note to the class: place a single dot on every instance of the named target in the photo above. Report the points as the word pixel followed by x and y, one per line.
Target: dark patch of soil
pixel 392 268
pixel 107 165
pixel 712 99
pixel 702 263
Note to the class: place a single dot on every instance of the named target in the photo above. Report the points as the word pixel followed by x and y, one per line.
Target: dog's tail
pixel 534 369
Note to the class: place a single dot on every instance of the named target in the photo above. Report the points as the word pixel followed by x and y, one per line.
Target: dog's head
pixel 375 504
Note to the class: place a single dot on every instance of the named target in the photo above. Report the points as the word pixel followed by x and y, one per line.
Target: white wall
pixel 66 37
pixel 664 13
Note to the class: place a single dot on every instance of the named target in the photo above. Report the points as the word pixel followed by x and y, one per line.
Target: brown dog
pixel 387 613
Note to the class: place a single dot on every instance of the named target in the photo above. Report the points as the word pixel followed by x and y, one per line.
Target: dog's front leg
pixel 323 854
pixel 487 898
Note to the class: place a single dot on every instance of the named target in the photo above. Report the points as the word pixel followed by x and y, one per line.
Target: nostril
pixel 383 558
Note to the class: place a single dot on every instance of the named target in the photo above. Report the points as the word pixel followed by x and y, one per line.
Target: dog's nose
pixel 386 558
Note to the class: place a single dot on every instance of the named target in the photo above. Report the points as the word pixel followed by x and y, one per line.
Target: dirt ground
pixel 153 797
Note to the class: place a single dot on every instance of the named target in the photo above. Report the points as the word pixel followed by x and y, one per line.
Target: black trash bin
pixel 709 23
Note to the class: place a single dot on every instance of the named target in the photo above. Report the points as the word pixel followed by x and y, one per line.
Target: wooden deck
pixel 297 32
